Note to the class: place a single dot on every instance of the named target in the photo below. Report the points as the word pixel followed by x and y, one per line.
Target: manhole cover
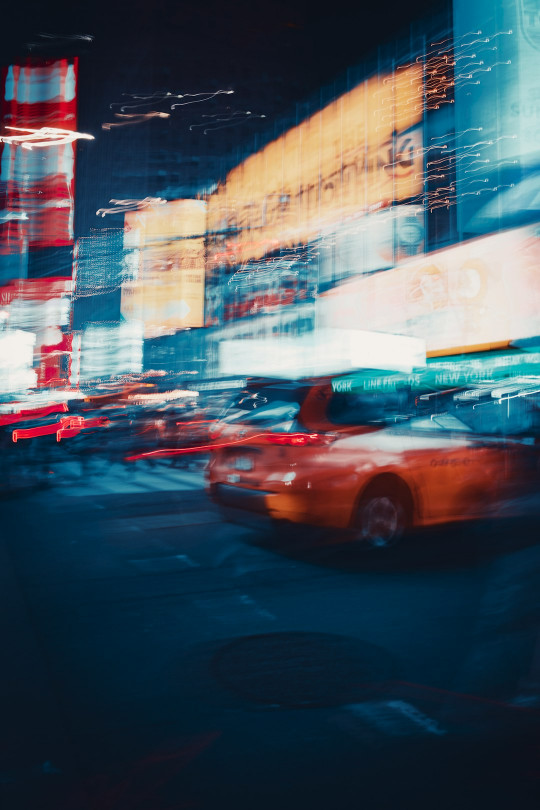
pixel 301 669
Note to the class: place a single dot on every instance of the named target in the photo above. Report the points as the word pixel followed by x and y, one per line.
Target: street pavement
pixel 158 657
pixel 101 477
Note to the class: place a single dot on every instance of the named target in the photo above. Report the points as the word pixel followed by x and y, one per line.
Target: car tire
pixel 382 517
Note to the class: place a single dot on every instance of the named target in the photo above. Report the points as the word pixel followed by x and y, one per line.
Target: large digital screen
pixel 480 294
pixel 358 154
pixel 497 113
pixel 167 248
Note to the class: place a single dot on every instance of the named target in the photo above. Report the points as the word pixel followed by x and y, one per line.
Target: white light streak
pixel 45 136
pixel 159 97
pixel 134 118
pixel 120 206
pixel 223 120
pixel 83 37
pixel 7 216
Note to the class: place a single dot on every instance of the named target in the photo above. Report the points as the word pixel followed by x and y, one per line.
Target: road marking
pixel 396 718
pixel 178 562
pixel 117 481
pixel 234 608
pixel 262 612
pixel 418 717
pixel 148 522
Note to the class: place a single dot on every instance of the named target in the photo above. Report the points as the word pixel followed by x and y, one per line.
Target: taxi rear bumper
pixel 251 500
pixel 245 507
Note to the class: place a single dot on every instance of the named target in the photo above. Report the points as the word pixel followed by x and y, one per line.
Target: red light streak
pixel 196 422
pixel 67 426
pixel 295 439
pixel 21 416
pixel 275 438
pixel 46 410
pixel 30 433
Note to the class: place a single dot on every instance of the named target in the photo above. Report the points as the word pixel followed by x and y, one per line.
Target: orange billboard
pixel 167 242
pixel 359 153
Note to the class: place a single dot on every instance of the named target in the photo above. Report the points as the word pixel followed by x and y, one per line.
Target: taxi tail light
pixel 299 439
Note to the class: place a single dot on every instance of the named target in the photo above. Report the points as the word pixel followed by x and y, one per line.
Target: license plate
pixel 243 463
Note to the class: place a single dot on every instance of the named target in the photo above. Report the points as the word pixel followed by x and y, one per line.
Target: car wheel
pixel 381 519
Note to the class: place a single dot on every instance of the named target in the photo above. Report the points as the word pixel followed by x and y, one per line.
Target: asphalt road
pixel 158 658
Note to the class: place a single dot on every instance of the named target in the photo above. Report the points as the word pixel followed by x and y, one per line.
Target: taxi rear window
pixel 347 408
pixel 266 405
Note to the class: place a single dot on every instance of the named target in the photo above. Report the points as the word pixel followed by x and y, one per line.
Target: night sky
pixel 299 39
pixel 273 56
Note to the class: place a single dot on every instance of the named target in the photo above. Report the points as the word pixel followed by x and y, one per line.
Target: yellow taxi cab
pixel 367 463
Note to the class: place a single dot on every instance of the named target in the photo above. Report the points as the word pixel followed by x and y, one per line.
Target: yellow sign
pixel 168 293
pixel 163 223
pixel 358 154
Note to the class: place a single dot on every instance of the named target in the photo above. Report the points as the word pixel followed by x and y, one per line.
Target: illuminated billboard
pixel 41 308
pixel 326 351
pixel 479 294
pixel 167 263
pixel 109 350
pixel 16 360
pixel 358 154
pixel 38 180
pixel 497 113
pixel 376 241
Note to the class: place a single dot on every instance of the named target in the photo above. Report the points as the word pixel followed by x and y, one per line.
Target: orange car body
pixel 442 470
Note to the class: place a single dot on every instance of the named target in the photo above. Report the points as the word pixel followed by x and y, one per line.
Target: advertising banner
pixel 376 241
pixel 38 183
pixel 167 290
pixel 481 293
pixel 358 154
pixel 326 351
